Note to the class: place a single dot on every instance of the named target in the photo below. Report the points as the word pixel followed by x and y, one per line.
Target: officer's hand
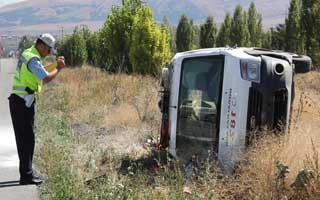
pixel 60 62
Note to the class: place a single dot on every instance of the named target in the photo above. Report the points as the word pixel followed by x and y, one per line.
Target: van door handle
pixel 175 107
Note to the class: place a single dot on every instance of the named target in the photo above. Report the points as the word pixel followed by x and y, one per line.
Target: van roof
pixel 238 52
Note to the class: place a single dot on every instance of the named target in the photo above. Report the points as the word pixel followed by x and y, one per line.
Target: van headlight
pixel 250 70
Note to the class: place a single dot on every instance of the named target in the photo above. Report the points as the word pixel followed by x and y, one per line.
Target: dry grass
pixel 103 121
pixel 116 108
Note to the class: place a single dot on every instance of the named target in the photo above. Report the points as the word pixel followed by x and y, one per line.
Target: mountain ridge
pixel 46 15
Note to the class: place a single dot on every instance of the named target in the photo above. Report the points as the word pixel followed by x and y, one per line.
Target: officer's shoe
pixel 36 177
pixel 31 181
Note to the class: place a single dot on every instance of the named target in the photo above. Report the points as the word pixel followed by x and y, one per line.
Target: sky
pixel 6 2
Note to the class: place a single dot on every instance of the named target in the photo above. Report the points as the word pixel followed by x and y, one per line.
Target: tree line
pixel 298 34
pixel 131 41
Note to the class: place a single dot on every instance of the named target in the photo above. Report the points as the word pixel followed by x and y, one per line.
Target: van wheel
pixel 302 63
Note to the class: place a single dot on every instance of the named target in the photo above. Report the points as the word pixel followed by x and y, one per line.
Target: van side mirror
pixel 165 78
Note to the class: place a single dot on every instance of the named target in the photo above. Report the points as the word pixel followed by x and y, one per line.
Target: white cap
pixel 49 40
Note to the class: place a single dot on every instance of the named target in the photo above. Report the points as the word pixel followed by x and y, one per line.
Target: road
pixel 9 175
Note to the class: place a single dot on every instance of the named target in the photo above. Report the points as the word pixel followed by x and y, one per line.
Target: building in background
pixel 10 44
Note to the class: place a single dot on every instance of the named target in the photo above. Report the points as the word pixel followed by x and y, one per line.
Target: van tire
pixel 302 63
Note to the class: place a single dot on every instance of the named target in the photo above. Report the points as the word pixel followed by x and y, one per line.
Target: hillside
pixel 38 15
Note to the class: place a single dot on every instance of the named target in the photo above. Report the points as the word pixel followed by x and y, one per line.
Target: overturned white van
pixel 212 99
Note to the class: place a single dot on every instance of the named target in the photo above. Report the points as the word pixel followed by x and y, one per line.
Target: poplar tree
pixel 317 32
pixel 239 28
pixel 149 49
pixel 310 28
pixel 74 48
pixel 166 25
pixel 278 37
pixel 266 40
pixel 223 38
pixel 294 39
pixel 208 32
pixel 196 35
pixel 254 26
pixel 184 34
pixel 115 36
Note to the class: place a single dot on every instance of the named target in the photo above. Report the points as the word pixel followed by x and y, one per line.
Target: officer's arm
pixel 51 76
pixel 54 73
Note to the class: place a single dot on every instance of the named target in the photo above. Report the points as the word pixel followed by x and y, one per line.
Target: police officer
pixel 28 80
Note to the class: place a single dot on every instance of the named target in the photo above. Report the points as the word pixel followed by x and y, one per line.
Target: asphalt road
pixel 9 175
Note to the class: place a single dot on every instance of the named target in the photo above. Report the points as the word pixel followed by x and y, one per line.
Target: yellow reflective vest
pixel 25 82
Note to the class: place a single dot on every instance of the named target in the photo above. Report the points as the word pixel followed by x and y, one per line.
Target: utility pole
pixel 61 30
pixel 62 35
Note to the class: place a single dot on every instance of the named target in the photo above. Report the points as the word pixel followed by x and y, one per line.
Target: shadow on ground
pixel 6 184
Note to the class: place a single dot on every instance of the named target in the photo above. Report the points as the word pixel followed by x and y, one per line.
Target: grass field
pixel 95 136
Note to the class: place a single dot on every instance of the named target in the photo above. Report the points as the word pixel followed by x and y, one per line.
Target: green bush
pixel 74 48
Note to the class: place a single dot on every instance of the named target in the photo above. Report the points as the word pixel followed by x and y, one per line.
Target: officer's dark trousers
pixel 23 123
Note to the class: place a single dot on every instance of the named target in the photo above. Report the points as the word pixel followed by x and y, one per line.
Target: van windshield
pixel 199 103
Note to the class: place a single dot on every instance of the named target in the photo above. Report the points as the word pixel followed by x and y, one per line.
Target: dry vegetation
pixel 96 130
pixel 113 108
